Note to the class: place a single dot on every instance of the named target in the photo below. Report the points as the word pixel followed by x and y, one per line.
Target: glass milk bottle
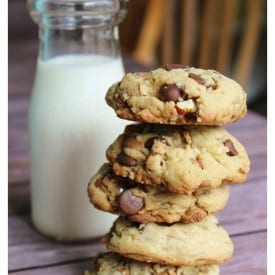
pixel 70 124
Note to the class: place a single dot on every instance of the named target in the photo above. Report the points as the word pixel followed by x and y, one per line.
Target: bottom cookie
pixel 111 263
pixel 200 243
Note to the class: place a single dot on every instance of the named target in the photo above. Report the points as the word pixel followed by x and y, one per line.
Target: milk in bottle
pixel 70 125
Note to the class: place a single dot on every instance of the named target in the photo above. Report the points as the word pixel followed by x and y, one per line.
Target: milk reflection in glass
pixel 70 129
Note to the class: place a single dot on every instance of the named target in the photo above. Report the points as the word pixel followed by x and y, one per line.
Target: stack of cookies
pixel 169 173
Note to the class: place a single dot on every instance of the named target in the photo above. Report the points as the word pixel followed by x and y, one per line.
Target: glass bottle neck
pixel 89 41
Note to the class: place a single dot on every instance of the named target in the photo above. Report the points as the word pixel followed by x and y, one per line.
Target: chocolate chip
pixel 130 204
pixel 150 142
pixel 126 160
pixel 126 183
pixel 232 150
pixel 171 92
pixel 170 67
pixel 191 117
pixel 197 78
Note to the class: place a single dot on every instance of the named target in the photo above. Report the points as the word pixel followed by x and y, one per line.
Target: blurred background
pixel 226 35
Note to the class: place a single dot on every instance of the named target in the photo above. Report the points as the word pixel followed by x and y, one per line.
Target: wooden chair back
pixel 222 35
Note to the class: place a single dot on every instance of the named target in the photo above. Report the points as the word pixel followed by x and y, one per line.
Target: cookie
pixel 181 158
pixel 111 263
pixel 147 203
pixel 205 242
pixel 178 95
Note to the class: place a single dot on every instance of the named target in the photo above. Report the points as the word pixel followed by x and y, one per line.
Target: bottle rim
pixel 70 14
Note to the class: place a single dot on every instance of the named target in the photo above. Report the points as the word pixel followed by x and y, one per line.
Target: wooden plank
pixel 258 167
pixel 249 118
pixel 72 268
pixel 27 248
pixel 19 170
pixel 19 198
pixel 22 61
pixel 254 140
pixel 249 255
pixel 18 139
pixel 243 262
pixel 246 208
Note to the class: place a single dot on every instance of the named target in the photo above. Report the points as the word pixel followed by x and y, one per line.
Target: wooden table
pixel 31 253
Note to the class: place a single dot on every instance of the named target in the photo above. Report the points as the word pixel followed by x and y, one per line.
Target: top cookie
pixel 178 95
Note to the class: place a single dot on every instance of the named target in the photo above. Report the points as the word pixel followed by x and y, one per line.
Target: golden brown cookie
pixel 180 158
pixel 205 242
pixel 147 203
pixel 178 95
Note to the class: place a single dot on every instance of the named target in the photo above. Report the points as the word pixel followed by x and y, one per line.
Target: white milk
pixel 71 127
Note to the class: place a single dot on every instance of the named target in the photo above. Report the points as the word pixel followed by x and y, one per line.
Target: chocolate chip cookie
pixel 180 158
pixel 147 203
pixel 112 263
pixel 178 95
pixel 205 242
